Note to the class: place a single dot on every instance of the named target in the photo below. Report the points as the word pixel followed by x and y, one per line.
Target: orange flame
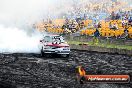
pixel 81 71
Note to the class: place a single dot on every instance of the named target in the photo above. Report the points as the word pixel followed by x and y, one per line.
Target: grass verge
pixel 107 45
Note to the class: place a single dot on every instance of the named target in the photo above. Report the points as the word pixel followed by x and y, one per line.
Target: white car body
pixel 54 44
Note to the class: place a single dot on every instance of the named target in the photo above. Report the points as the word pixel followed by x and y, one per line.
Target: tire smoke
pixel 16 20
pixel 14 40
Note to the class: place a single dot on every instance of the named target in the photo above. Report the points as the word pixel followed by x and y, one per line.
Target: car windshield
pixel 54 39
pixel 48 39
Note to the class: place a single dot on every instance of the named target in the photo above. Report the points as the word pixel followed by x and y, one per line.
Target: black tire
pixel 67 56
pixel 48 55
pixel 42 53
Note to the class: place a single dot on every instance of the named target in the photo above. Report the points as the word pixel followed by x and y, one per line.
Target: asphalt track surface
pixel 28 70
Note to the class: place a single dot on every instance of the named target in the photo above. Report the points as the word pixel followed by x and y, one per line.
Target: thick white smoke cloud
pixel 22 12
pixel 25 12
pixel 16 19
pixel 14 40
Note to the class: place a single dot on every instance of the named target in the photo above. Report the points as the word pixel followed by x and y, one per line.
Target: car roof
pixel 52 35
pixel 55 35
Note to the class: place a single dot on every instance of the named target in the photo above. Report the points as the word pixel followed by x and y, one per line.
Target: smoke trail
pixel 16 19
pixel 16 40
pixel 19 13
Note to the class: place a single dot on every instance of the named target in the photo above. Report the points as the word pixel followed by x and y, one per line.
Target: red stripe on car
pixel 58 45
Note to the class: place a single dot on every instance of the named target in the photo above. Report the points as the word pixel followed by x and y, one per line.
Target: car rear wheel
pixel 42 53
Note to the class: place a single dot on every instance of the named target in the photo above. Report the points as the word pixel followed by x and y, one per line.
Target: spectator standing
pixel 125 35
pixel 115 27
pixel 117 16
pixel 95 38
pixel 110 25
pixel 130 21
pixel 99 25
pixel 123 23
pixel 113 15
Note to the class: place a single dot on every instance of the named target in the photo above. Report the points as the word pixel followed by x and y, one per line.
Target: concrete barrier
pixel 101 49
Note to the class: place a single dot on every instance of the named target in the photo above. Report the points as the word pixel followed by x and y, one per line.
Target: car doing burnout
pixel 54 44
